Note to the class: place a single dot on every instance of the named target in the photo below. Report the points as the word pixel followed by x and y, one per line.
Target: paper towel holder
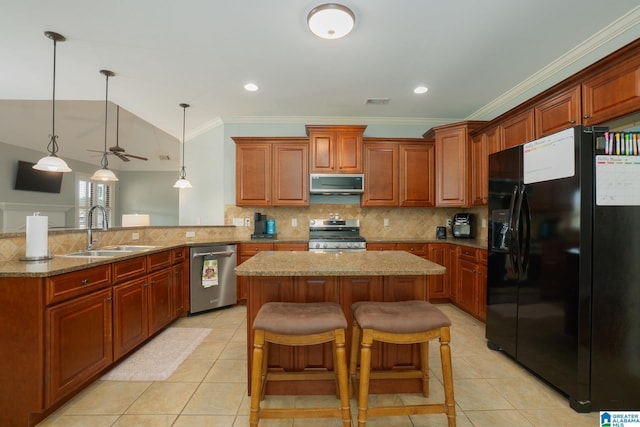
pixel 46 257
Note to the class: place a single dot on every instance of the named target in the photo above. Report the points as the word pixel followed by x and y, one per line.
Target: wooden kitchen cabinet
pixel 418 249
pixel 291 247
pixel 518 129
pixel 479 171
pixel 180 269
pixel 399 172
pixel 381 246
pixel 439 284
pixel 417 175
pixel 611 93
pixel 160 299
pixel 130 316
pixel 381 174
pixel 560 111
pixel 78 343
pixel 246 251
pixel 335 149
pixel 272 171
pixel 471 278
pixel 452 161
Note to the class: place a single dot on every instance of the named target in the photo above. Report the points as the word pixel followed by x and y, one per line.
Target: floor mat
pixel 160 357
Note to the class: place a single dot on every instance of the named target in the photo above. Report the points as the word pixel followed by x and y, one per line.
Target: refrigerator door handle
pixel 527 231
pixel 516 231
pixel 512 235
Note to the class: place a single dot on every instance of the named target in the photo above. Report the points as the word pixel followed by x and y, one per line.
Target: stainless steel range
pixel 335 235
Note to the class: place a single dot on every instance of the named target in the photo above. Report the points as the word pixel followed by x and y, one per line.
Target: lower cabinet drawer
pixel 71 285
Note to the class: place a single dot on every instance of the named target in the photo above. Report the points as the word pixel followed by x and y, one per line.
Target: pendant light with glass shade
pixel 104 174
pixel 52 162
pixel 182 182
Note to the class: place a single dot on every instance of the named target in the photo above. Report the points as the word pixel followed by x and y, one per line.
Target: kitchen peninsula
pixel 344 278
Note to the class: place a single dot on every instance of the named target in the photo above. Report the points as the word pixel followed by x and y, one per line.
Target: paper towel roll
pixel 37 236
pixel 135 220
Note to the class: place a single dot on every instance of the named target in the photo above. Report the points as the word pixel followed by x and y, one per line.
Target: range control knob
pixel 324 245
pixel 317 245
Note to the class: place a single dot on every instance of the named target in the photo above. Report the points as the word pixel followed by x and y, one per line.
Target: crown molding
pixel 560 69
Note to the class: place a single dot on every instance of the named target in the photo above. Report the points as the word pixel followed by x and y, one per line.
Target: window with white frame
pixel 89 194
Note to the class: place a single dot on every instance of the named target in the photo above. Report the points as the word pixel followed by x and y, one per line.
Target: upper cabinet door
pixel 451 167
pixel 559 112
pixel 518 129
pixel 253 174
pixel 291 174
pixel 417 175
pixel 612 93
pixel 381 175
pixel 335 149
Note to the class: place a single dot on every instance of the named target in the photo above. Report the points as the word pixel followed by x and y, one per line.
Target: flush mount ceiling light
pixel 251 87
pixel 52 162
pixel 104 174
pixel 331 21
pixel 420 90
pixel 182 182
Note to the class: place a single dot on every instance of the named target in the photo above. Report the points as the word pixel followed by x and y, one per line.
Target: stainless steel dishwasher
pixel 212 277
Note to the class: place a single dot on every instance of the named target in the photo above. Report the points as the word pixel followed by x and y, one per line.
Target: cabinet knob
pixel 586 116
pixel 572 122
pixel 110 299
pixel 153 281
pixel 146 285
pixel 85 282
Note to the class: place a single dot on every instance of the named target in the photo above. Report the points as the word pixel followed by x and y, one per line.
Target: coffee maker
pixel 260 227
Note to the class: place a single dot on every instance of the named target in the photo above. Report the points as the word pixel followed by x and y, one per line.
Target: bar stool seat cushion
pixel 289 318
pixel 403 317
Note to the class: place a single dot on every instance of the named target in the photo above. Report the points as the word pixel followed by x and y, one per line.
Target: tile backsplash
pixel 403 223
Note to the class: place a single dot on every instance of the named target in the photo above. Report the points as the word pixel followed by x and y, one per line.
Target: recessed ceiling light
pixel 251 87
pixel 420 90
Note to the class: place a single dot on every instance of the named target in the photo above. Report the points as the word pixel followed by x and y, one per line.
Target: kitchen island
pixel 344 278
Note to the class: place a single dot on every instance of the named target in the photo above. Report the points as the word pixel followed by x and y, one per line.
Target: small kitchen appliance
pixel 260 230
pixel 463 226
pixel 441 233
pixel 335 235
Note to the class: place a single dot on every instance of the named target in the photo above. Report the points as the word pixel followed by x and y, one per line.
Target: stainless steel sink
pixel 97 253
pixel 128 248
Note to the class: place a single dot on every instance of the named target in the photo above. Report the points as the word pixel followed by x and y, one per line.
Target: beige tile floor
pixel 210 388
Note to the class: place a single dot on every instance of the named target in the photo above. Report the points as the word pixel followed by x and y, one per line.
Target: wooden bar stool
pixel 299 324
pixel 405 322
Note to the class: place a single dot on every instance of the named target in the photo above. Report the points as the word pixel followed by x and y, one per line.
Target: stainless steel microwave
pixel 337 184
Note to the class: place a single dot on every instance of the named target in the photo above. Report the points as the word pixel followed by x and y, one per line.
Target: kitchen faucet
pixel 105 226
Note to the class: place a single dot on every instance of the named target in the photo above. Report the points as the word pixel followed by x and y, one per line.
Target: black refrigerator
pixel 563 282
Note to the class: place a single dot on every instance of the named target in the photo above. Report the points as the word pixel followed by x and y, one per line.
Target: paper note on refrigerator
pixel 548 158
pixel 209 273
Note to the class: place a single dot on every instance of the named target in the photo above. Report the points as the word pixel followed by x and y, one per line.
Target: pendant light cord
pixel 183 172
pixel 104 162
pixel 52 147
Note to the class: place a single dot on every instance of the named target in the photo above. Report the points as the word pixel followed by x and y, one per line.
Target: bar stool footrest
pixel 407 410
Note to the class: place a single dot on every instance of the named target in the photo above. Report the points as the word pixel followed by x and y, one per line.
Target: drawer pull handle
pixel 85 282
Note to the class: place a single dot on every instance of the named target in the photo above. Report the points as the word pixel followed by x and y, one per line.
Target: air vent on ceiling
pixel 376 101
pixel 164 157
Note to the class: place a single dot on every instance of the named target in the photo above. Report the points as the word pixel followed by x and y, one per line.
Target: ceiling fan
pixel 116 150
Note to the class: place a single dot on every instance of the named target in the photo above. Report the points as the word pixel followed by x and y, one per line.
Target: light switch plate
pixel 386 222
pixel 294 222
pixel 135 236
pixel 238 222
pixel 190 234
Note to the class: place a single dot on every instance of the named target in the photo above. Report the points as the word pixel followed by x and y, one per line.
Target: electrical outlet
pixel 238 222
pixel 484 223
pixel 294 222
pixel 190 234
pixel 247 222
pixel 386 222
pixel 448 222
pixel 135 236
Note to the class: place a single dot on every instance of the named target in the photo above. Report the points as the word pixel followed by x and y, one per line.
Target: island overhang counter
pixel 344 278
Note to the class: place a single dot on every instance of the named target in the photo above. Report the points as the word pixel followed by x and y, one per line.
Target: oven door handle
pixel 224 253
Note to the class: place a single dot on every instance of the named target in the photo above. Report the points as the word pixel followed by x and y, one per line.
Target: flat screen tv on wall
pixel 30 179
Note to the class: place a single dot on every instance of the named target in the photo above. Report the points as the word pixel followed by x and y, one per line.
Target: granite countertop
pixel 388 263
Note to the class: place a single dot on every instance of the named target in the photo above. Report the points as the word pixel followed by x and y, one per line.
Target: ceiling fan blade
pixel 121 156
pixel 135 157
